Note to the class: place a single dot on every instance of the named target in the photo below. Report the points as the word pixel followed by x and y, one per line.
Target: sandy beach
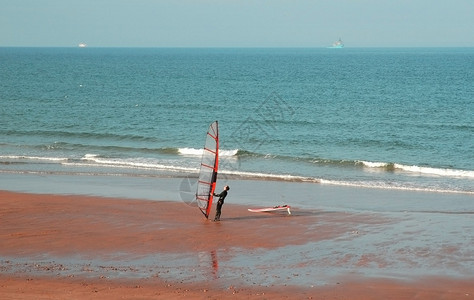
pixel 89 247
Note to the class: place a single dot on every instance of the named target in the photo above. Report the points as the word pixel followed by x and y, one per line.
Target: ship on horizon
pixel 338 44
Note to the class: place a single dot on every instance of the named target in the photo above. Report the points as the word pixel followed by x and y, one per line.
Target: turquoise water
pixel 389 118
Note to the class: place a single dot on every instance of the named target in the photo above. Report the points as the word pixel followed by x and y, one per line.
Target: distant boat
pixel 338 44
pixel 82 45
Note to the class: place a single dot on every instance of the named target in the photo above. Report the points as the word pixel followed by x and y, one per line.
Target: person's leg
pixel 218 211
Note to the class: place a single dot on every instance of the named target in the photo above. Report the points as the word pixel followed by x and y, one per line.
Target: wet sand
pixel 81 247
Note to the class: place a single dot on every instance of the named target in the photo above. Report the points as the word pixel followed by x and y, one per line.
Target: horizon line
pixel 236 47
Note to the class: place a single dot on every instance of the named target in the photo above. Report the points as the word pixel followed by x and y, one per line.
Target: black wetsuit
pixel 221 196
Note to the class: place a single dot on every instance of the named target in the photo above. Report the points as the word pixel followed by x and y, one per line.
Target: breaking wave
pixel 198 152
pixel 418 170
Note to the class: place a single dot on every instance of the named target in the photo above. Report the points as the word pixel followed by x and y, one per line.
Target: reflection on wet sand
pixel 209 264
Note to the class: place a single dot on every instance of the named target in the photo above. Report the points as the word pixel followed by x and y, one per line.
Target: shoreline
pixel 246 192
pixel 97 247
pixel 66 178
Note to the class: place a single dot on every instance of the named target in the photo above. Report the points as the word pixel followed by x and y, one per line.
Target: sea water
pixel 387 118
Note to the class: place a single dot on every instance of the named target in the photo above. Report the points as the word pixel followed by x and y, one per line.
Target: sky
pixel 236 23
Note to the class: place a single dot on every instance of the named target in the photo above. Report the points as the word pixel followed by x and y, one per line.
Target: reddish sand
pixel 60 226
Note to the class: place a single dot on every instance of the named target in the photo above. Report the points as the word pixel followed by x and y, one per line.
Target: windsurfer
pixel 220 202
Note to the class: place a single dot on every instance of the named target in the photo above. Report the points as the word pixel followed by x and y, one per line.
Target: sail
pixel 208 173
pixel 337 44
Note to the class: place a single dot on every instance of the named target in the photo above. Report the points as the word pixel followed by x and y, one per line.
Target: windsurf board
pixel 270 209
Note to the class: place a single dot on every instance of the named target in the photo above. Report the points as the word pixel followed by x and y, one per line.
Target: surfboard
pixel 270 209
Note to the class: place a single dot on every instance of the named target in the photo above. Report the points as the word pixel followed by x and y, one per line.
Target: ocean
pixel 382 118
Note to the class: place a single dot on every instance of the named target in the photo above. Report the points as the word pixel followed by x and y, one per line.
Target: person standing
pixel 220 202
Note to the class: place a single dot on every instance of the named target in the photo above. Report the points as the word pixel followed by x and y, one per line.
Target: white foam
pixel 371 164
pixel 421 170
pixel 435 171
pixel 382 185
pixel 22 157
pixel 228 152
pixel 143 165
pixel 89 156
pixel 198 152
pixel 285 177
pixel 190 151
